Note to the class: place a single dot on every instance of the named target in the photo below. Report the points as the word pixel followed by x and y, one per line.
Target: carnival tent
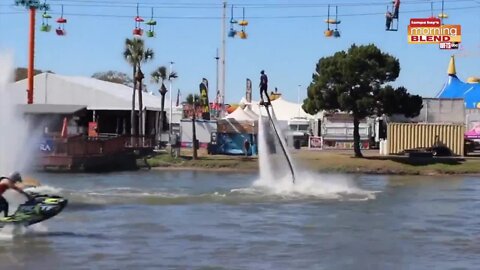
pixel 90 92
pixel 284 110
pixel 455 88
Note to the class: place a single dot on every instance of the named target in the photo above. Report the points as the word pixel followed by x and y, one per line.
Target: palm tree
pixel 136 54
pixel 160 76
pixel 194 100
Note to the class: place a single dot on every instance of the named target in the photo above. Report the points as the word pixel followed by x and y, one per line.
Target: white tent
pixel 243 115
pixel 284 110
pixel 90 92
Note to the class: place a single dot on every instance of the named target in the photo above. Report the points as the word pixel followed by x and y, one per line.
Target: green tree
pixel 135 53
pixel 114 76
pixel 355 82
pixel 159 76
pixel 194 101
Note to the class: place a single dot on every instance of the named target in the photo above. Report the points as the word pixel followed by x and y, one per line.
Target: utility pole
pixel 222 57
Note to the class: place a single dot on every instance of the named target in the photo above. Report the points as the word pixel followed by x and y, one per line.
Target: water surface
pixel 203 220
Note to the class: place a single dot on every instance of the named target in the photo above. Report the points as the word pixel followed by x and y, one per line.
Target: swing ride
pixel 61 25
pixel 242 34
pixel 138 31
pixel 329 32
pixel 151 24
pixel 46 27
pixel 391 15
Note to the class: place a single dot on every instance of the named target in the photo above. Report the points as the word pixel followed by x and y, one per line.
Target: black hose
pixel 281 144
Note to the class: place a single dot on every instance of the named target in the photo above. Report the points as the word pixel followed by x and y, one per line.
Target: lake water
pixel 204 220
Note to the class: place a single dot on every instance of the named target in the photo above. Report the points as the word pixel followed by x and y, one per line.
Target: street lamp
pixel 298 98
pixel 170 97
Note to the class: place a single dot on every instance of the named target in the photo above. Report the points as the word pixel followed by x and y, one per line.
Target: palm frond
pixel 159 75
pixel 173 75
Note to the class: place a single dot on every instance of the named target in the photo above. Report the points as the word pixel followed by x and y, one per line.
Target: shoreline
pixel 366 172
pixel 327 162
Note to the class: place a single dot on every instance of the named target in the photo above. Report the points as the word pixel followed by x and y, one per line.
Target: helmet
pixel 15 177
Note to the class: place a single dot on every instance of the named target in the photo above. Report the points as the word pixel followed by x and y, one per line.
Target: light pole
pixel 217 92
pixel 298 98
pixel 222 57
pixel 170 97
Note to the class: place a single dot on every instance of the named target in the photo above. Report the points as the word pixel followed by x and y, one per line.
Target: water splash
pixel 275 176
pixel 272 161
pixel 15 140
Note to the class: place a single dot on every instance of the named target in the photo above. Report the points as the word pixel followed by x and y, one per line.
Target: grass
pixel 327 161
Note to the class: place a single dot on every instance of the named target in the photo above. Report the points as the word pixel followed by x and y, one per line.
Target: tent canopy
pixel 89 92
pixel 284 110
pixel 455 88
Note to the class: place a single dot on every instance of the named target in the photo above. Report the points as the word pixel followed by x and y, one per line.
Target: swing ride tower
pixel 32 5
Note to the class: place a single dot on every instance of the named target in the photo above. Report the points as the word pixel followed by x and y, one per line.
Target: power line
pixel 116 4
pixel 250 17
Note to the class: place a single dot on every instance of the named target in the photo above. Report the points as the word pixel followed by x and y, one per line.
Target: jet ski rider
pixel 7 183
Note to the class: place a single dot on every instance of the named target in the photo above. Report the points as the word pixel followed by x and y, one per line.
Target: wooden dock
pixel 102 153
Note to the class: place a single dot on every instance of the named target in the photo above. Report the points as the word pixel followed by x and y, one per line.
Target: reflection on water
pixel 184 220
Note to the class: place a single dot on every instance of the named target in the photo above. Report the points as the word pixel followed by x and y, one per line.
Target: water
pixel 203 220
pixel 16 142
pixel 275 165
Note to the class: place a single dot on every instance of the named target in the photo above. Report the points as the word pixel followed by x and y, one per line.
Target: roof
pixel 284 110
pixel 89 92
pixel 455 88
pixel 242 115
pixel 52 109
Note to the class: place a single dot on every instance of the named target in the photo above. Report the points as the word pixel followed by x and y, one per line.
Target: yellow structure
pixel 473 80
pixel 451 66
pixel 403 136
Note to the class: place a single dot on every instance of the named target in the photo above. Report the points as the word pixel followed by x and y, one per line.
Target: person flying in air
pixel 263 87
pixel 10 183
pixel 396 6
pixel 388 20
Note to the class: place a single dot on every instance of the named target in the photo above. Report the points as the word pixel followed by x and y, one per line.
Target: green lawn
pixel 328 161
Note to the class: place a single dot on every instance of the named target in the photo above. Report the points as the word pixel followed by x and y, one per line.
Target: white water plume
pixel 15 140
pixel 276 178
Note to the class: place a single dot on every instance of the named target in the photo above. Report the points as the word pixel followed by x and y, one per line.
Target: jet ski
pixel 40 208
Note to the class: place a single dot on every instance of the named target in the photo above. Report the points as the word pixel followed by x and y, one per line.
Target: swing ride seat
pixel 332 21
pixel 150 33
pixel 61 20
pixel 243 23
pixel 46 16
pixel 232 33
pixel 139 19
pixel 45 28
pixel 242 34
pixel 60 32
pixel 151 23
pixel 137 32
pixel 328 33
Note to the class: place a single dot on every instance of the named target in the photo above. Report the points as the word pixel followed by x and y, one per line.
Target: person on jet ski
pixel 7 183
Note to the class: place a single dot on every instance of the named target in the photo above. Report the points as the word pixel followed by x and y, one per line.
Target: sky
pixel 285 38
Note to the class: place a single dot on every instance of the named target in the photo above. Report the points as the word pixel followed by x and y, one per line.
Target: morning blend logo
pixel 431 31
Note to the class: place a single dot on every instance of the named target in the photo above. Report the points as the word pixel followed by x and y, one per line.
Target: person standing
pixel 263 87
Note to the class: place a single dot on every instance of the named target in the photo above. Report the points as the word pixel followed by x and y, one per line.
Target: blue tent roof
pixel 455 88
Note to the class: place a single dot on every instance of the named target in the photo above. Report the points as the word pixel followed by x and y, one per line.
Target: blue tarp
pixel 455 88
pixel 233 144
